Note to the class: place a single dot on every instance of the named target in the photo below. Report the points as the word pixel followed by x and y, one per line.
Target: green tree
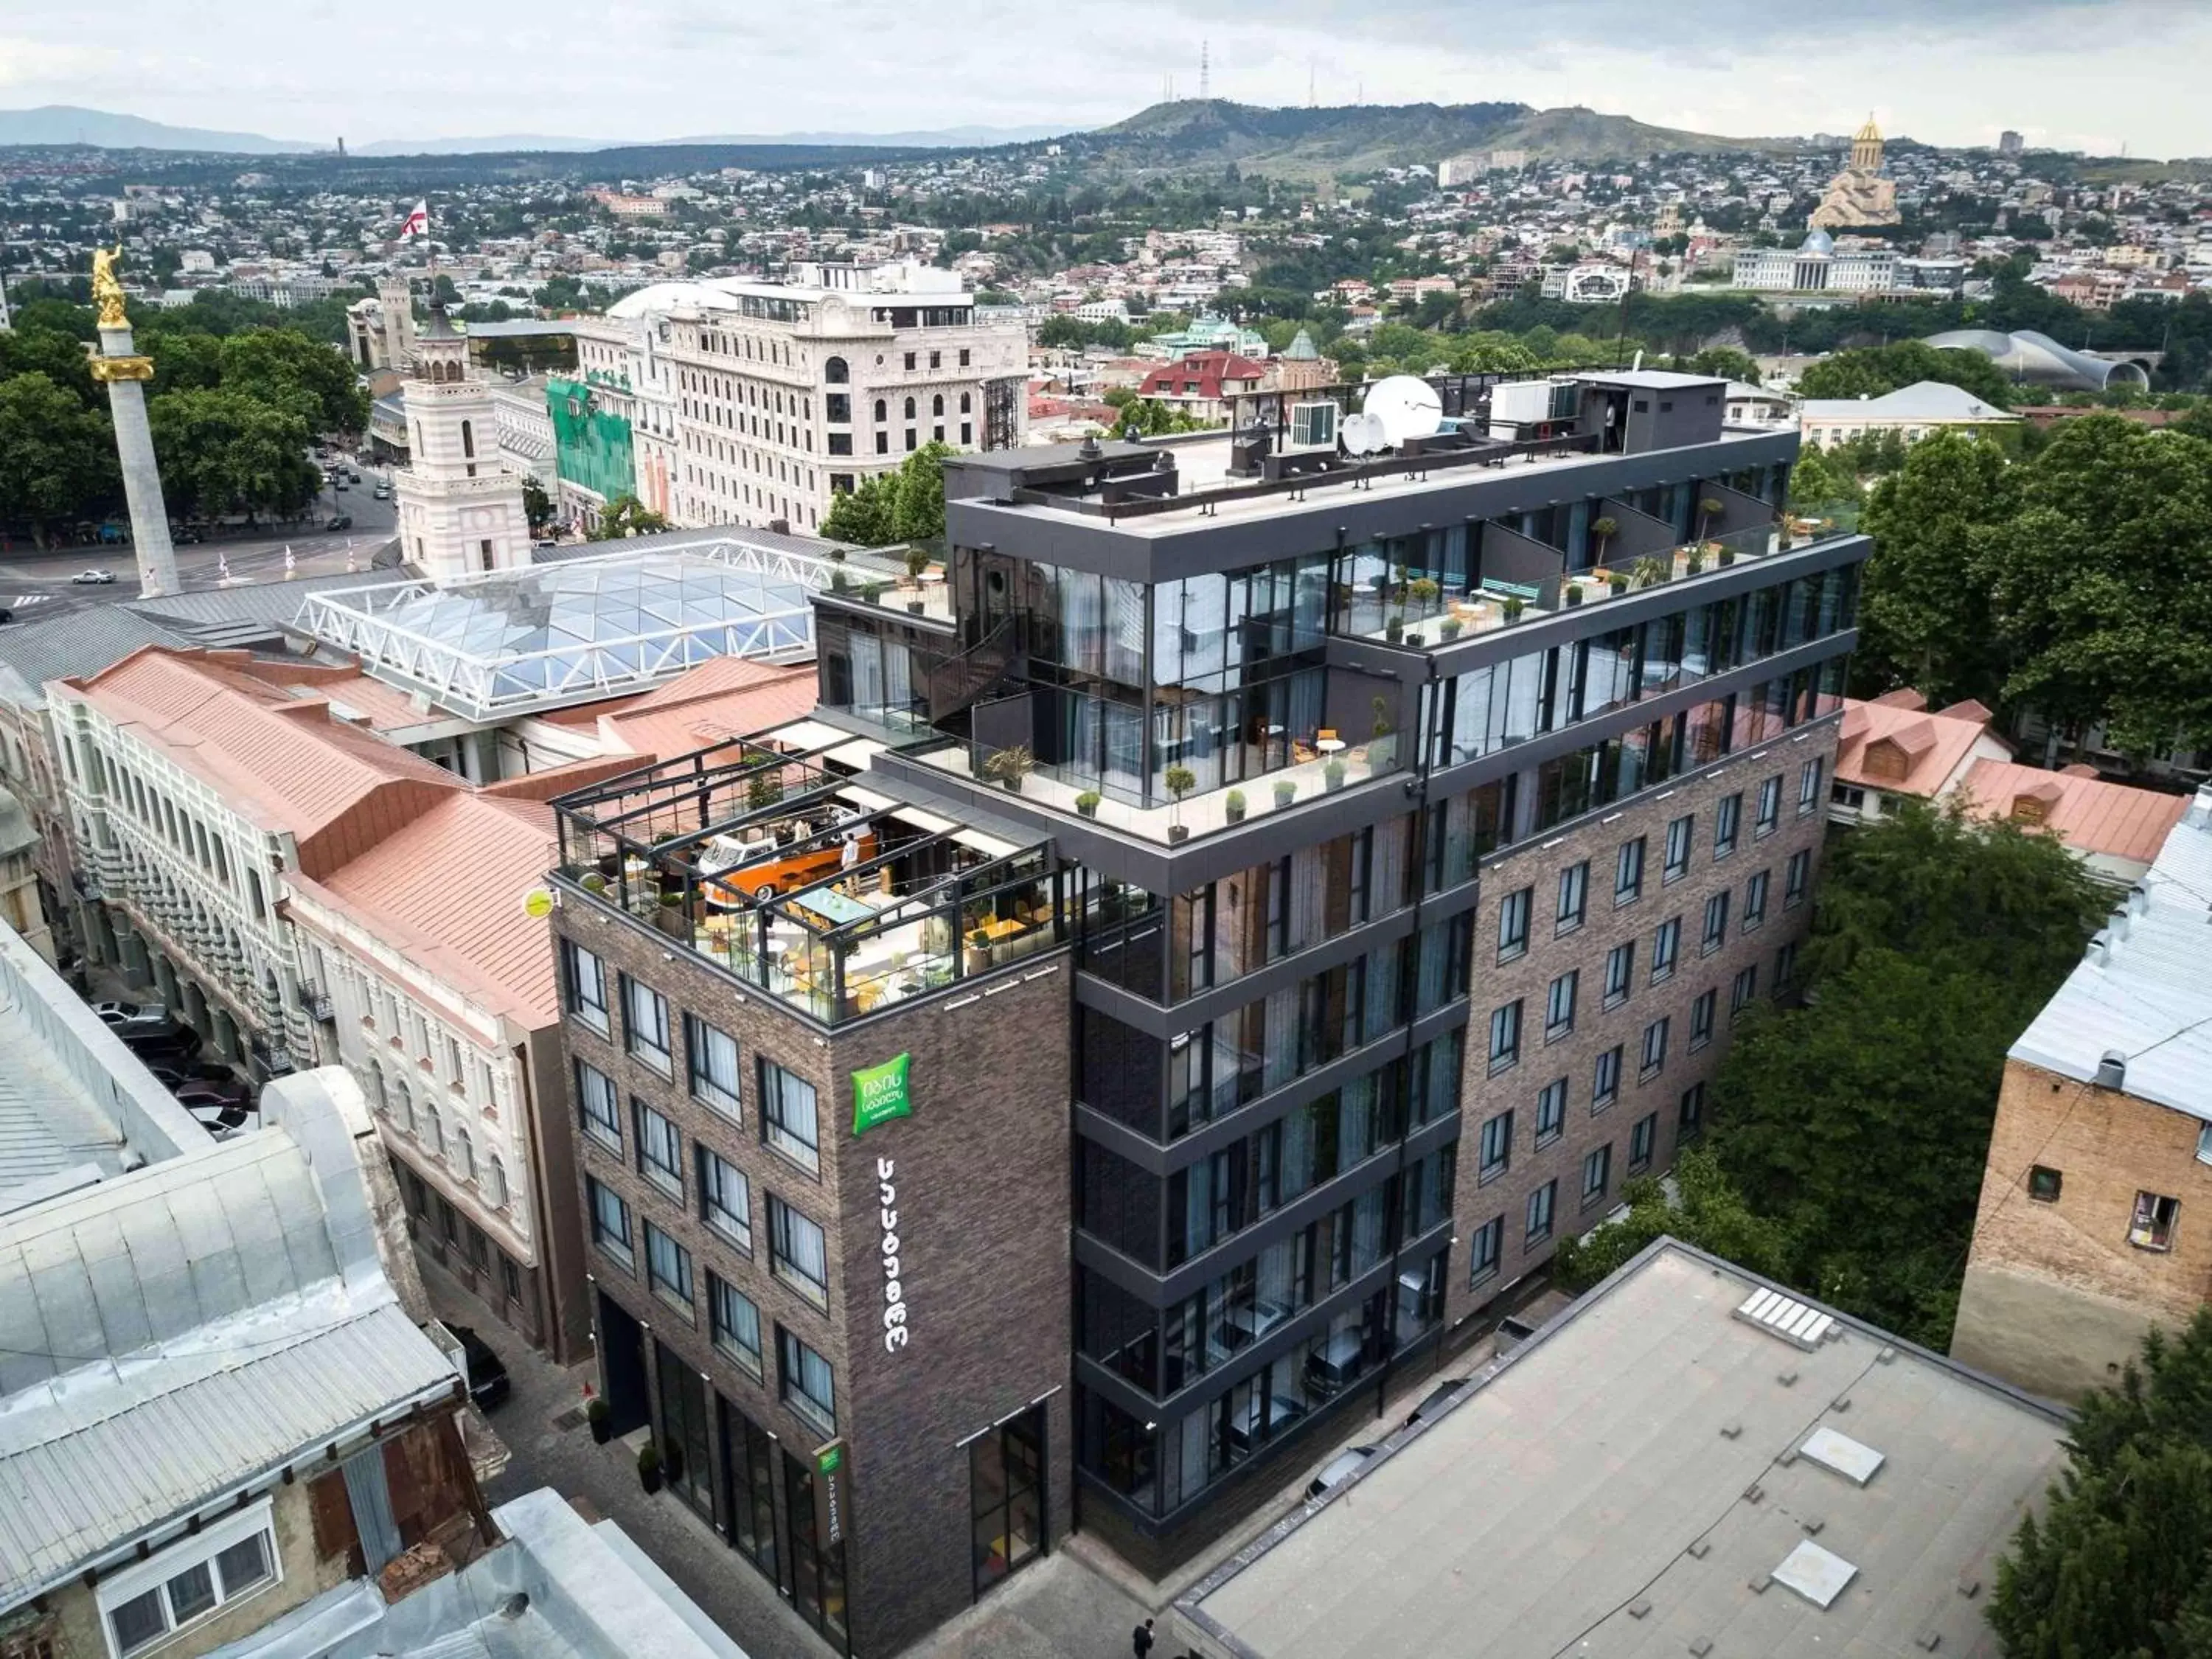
pixel 537 504
pixel 620 518
pixel 56 457
pixel 1712 1215
pixel 289 371
pixel 1860 1122
pixel 225 452
pixel 863 515
pixel 2117 1564
pixel 1871 371
pixel 58 355
pixel 1926 609
pixel 907 505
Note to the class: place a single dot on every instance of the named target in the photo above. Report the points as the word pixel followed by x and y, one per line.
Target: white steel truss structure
pixel 493 645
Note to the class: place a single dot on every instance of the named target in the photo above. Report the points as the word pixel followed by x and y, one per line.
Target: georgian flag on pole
pixel 418 224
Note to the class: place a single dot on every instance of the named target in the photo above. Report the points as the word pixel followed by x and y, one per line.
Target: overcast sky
pixel 2076 74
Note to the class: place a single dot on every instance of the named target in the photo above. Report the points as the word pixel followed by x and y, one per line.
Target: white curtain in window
pixel 1281 1061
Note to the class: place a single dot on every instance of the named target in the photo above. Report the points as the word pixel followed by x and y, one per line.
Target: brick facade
pixel 2057 1297
pixel 1535 865
pixel 980 1171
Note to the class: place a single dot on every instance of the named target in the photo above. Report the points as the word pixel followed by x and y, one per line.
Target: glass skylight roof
pixel 516 642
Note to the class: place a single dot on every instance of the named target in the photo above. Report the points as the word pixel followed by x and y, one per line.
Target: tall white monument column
pixel 123 372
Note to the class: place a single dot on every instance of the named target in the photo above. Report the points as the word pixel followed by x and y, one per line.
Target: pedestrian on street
pixel 1140 1639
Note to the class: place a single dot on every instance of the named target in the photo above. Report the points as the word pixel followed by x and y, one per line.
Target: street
pixel 35 584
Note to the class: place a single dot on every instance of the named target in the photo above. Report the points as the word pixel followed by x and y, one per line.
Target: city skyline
pixel 2069 74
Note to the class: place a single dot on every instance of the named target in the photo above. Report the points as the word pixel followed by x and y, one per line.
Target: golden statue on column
pixel 106 291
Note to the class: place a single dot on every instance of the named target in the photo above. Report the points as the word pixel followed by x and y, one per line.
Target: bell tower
pixel 1866 149
pixel 460 509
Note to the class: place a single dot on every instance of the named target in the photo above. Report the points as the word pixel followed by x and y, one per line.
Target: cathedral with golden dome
pixel 1859 195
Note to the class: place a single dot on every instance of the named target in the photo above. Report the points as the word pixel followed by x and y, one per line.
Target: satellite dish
pixel 1406 407
pixel 1364 434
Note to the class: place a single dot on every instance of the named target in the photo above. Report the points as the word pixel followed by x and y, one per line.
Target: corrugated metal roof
pixel 181 1329
pixel 270 602
pixel 2090 815
pixel 84 642
pixel 1932 745
pixel 2142 991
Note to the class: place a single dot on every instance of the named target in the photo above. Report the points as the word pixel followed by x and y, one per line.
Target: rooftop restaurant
pixel 769 857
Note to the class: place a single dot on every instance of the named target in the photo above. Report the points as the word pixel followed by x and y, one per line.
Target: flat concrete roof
pixel 1632 1482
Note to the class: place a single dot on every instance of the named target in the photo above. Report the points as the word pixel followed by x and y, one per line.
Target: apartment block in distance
pixel 1245 842
pixel 787 394
pixel 2093 1225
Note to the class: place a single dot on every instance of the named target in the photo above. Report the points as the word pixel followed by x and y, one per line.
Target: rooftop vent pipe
pixel 2113 1070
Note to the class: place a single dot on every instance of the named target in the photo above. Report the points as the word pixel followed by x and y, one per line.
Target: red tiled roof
pixel 2089 814
pixel 291 765
pixel 1913 752
pixel 726 697
pixel 1199 375
pixel 448 888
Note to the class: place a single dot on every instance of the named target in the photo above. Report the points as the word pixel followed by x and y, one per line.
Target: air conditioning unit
pixel 1522 408
pixel 1313 426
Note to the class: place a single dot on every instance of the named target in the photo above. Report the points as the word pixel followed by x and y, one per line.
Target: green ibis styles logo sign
pixel 879 1094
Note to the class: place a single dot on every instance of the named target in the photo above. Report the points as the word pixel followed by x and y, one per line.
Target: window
pixel 1809 784
pixel 610 1222
pixel 1542 1203
pixel 645 1024
pixel 1728 817
pixel 2151 1227
pixel 1504 1036
pixel 1620 971
pixel 736 1323
pixel 2044 1182
pixel 600 1106
pixel 1797 877
pixel 1574 897
pixel 1496 1148
pixel 788 1122
pixel 1665 945
pixel 1628 872
pixel 881 412
pixel 803 1378
pixel 1559 1005
pixel 910 364
pixel 1690 1117
pixel 937 361
pixel 1597 1174
pixel 1770 807
pixel 909 402
pixel 1744 988
pixel 668 1267
pixel 712 1058
pixel 1785 968
pixel 659 1148
pixel 1701 1019
pixel 1513 924
pixel 725 1199
pixel 1605 1085
pixel 584 985
pixel 936 403
pixel 798 1253
pixel 1642 1139
pixel 1716 933
pixel 1654 1049
pixel 963 363
pixel 1680 834
pixel 1551 1112
pixel 1484 1249
pixel 225 1561
pixel 1754 900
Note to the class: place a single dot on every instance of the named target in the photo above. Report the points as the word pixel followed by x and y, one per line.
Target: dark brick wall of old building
pixel 981 1173
pixel 1536 864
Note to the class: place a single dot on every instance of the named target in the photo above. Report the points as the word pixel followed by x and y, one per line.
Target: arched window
pixel 433 1130
pixel 495 1182
pixel 964 401
pixel 937 406
pixel 469 439
pixel 377 1096
pixel 881 412
pixel 463 1157
pixel 406 1107
pixel 910 408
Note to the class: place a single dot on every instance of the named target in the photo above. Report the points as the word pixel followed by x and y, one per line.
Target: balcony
pixel 928 600
pixel 789 874
pixel 1321 765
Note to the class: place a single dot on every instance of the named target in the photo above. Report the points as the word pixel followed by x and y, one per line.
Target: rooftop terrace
pixel 770 858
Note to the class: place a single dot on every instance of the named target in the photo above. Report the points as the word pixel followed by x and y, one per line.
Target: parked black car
pixel 487 1380
pixel 173 1075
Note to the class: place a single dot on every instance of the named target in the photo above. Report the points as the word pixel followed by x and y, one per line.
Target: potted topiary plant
pixel 1694 565
pixel 1449 628
pixel 976 959
pixel 1285 793
pixel 597 1414
pixel 1726 555
pixel 1332 775
pixel 671 918
pixel 1616 583
pixel 1423 591
pixel 1574 593
pixel 917 561
pixel 1514 607
pixel 1381 745
pixel 1605 530
pixel 1179 781
pixel 1648 572
pixel 1087 802
pixel 593 882
pixel 1010 766
pixel 1709 509
pixel 1232 806
pixel 648 1467
pixel 672 1459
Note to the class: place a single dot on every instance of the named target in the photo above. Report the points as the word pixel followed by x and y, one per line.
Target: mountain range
pixel 65 123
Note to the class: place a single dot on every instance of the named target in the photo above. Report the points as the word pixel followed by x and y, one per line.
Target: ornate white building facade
pixel 460 508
